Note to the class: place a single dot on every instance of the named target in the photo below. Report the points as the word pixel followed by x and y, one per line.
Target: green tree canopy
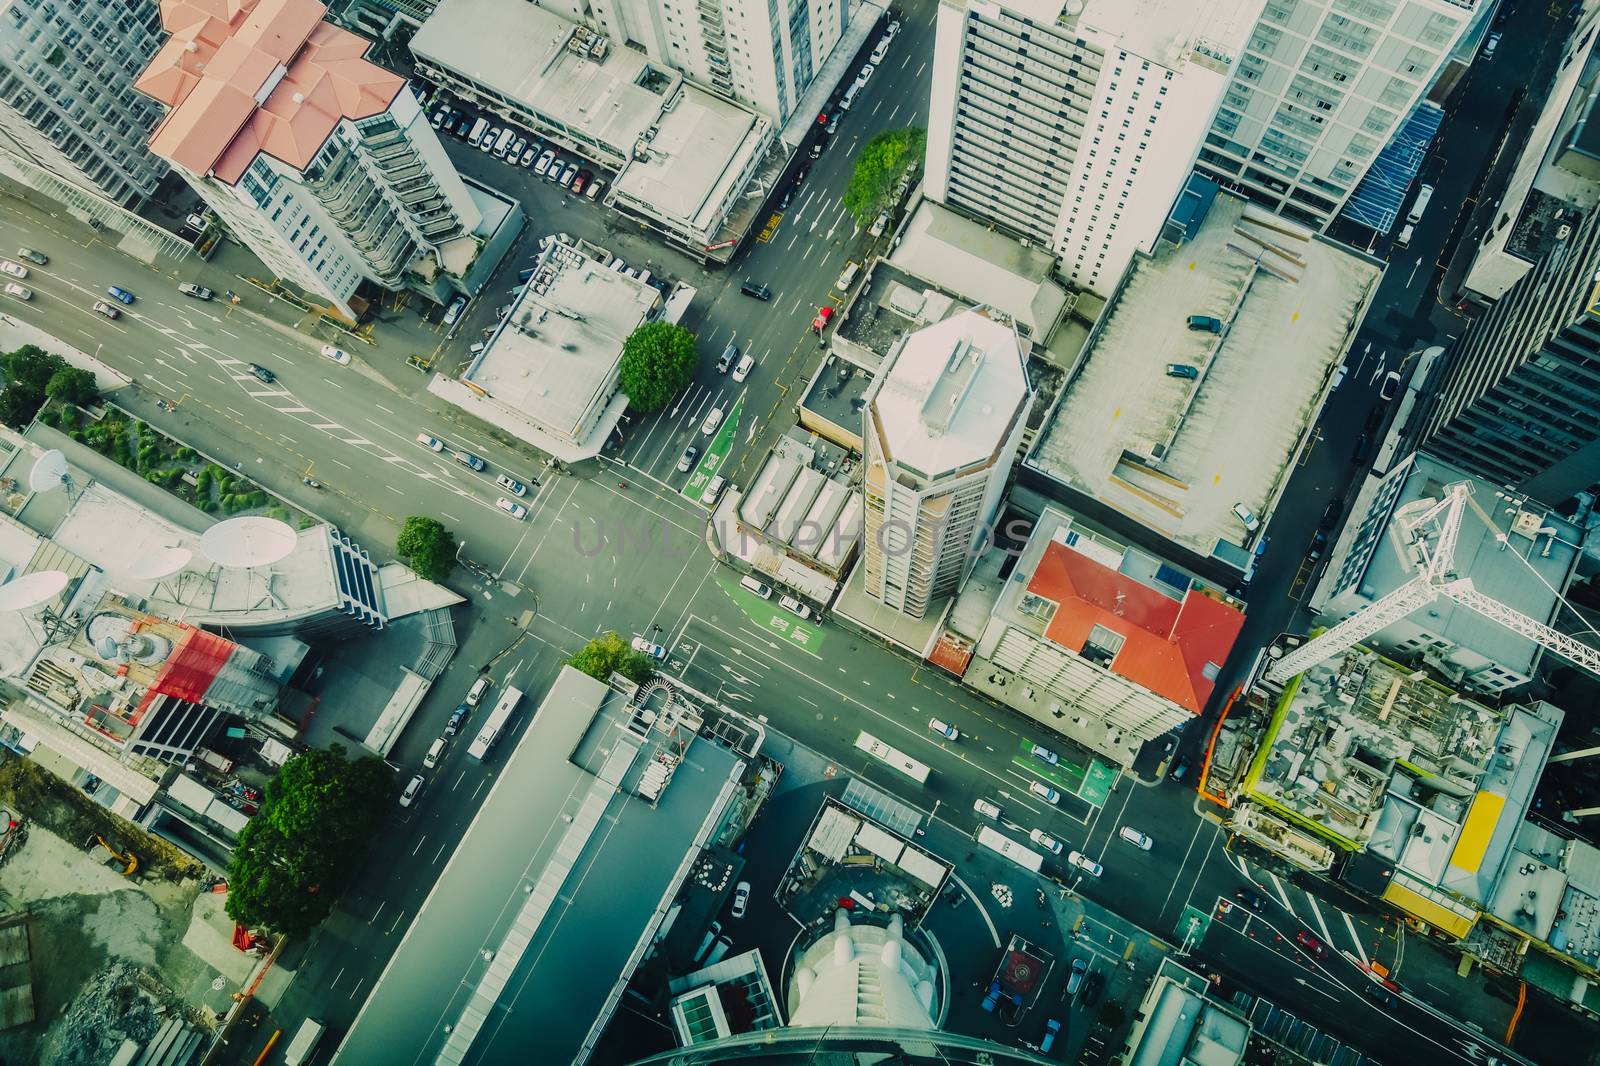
pixel 318 817
pixel 427 547
pixel 608 654
pixel 881 163
pixel 658 359
pixel 72 385
pixel 29 371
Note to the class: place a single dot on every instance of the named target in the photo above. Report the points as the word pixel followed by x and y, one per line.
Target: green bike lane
pixel 716 454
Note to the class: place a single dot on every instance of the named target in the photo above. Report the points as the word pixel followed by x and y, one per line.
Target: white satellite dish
pixel 160 564
pixel 49 471
pixel 242 543
pixel 30 590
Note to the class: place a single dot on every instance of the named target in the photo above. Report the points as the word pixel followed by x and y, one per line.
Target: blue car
pixel 1052 1029
pixel 120 294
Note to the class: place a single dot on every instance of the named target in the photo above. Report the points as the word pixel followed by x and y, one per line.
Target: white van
pixel 304 1042
pixel 851 269
pixel 849 96
pixel 475 693
pixel 479 128
pixel 430 760
pixel 503 142
pixel 987 809
pixel 1405 235
pixel 756 587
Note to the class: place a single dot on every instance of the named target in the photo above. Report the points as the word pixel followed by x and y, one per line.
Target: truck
pixel 304 1043
pixel 477 132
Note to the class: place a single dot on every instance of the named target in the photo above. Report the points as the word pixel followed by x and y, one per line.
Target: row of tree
pixel 34 376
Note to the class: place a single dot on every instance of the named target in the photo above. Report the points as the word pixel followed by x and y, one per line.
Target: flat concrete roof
pixel 698 153
pixel 1159 30
pixel 520 51
pixel 555 357
pixel 1175 454
pixel 563 816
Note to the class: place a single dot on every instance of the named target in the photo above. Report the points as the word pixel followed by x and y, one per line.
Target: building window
pixel 1102 644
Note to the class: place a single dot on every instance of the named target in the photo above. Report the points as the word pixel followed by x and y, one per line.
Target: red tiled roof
pixel 223 53
pixel 1167 644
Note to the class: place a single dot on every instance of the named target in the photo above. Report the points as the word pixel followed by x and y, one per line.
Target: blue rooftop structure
pixel 1376 201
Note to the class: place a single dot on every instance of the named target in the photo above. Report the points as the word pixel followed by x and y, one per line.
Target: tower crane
pixel 1435 577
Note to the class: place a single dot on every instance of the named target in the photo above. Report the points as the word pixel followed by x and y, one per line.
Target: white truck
pixel 304 1043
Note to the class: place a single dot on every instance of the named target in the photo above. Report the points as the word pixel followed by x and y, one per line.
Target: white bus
pixel 1010 849
pixel 891 757
pixel 495 724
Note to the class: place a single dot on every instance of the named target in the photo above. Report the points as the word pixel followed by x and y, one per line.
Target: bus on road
pixel 891 757
pixel 1010 849
pixel 495 724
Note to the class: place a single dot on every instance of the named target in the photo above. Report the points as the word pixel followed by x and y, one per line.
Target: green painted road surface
pixel 772 618
pixel 1090 782
pixel 1192 926
pixel 716 454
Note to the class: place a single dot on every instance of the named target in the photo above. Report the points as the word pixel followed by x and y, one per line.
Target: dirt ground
pixel 108 959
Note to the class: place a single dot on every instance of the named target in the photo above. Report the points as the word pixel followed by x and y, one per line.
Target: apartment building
pixel 762 55
pixel 941 426
pixel 1518 400
pixel 1320 89
pixel 322 162
pixel 67 99
pixel 1073 125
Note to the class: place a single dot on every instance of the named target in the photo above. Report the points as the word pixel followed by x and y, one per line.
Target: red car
pixel 824 314
pixel 1311 944
pixel 582 180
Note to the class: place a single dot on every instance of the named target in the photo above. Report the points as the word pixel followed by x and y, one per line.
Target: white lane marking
pixel 1283 896
pixel 1316 912
pixel 1355 938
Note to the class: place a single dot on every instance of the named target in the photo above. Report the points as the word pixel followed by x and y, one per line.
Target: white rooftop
pixel 520 51
pixel 555 359
pixel 1175 453
pixel 1158 30
pixel 950 393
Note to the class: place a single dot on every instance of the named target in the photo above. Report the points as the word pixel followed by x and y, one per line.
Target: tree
pixel 29 371
pixel 880 164
pixel 72 385
pixel 658 359
pixel 297 854
pixel 427 547
pixel 606 655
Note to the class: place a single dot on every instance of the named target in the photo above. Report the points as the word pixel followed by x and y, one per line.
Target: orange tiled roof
pixel 1167 643
pixel 220 61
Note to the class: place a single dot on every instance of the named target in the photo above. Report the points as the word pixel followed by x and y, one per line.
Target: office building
pixel 1321 88
pixel 941 427
pixel 67 99
pixel 1521 387
pixel 1074 125
pixel 321 162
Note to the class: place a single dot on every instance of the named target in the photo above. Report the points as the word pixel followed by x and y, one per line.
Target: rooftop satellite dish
pixel 242 543
pixel 30 590
pixel 49 471
pixel 160 564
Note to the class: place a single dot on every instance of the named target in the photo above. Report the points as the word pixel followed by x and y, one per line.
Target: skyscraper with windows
pixel 1073 125
pixel 67 101
pixel 321 162
pixel 1521 390
pixel 1320 89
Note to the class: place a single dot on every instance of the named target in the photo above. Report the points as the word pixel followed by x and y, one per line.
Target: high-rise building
pixel 941 426
pixel 1074 125
pixel 323 163
pixel 1518 401
pixel 67 100
pixel 1321 88
pixel 762 55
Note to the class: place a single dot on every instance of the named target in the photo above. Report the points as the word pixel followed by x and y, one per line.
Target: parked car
pixel 36 258
pixel 1182 370
pixel 1247 516
pixel 686 460
pixel 595 186
pixel 1205 323
pixel 1093 985
pixel 106 309
pixel 1490 45
pixel 568 174
pixel 1044 792
pixel 834 120
pixel 452 314
pixel 1045 841
pixel 944 729
pixel 262 374
pixel 16 270
pixel 1330 514
pixel 1319 544
pixel 20 292
pixel 530 155
pixel 741 899
pixel 881 50
pixel 1180 768
pixel 195 222
pixel 1075 976
pixel 337 355
pixel 511 484
pixel 457 716
pixel 490 135
pixel 1390 386
pixel 544 162
pixel 645 647
pixel 439 115
pixel 794 606
pixel 199 292
pixel 1084 863
pixel 1139 840
pixel 1312 945
pixel 413 787
pixel 1044 754
pixel 476 693
pixel 1052 1029
pixel 580 182
pixel 879 224
pixel 713 489
pixel 519 144
pixel 433 444
pixel 512 508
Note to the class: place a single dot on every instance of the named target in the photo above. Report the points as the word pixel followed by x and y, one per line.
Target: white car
pixel 1245 515
pixel 1084 863
pixel 866 73
pixel 741 369
pixel 1045 841
pixel 433 444
pixel 944 729
pixel 794 607
pixel 713 420
pixel 16 270
pixel 106 309
pixel 1134 837
pixel 893 28
pixel 548 157
pixel 1044 792
pixel 412 788
pixel 1039 751
pixel 511 484
pixel 338 355
pixel 511 507
pixel 21 292
pixel 741 899
pixel 655 651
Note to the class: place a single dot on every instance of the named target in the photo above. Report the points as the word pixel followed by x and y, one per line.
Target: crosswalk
pixel 1361 938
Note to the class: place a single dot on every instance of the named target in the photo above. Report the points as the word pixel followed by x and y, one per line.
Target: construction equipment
pixel 1436 576
pixel 128 861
